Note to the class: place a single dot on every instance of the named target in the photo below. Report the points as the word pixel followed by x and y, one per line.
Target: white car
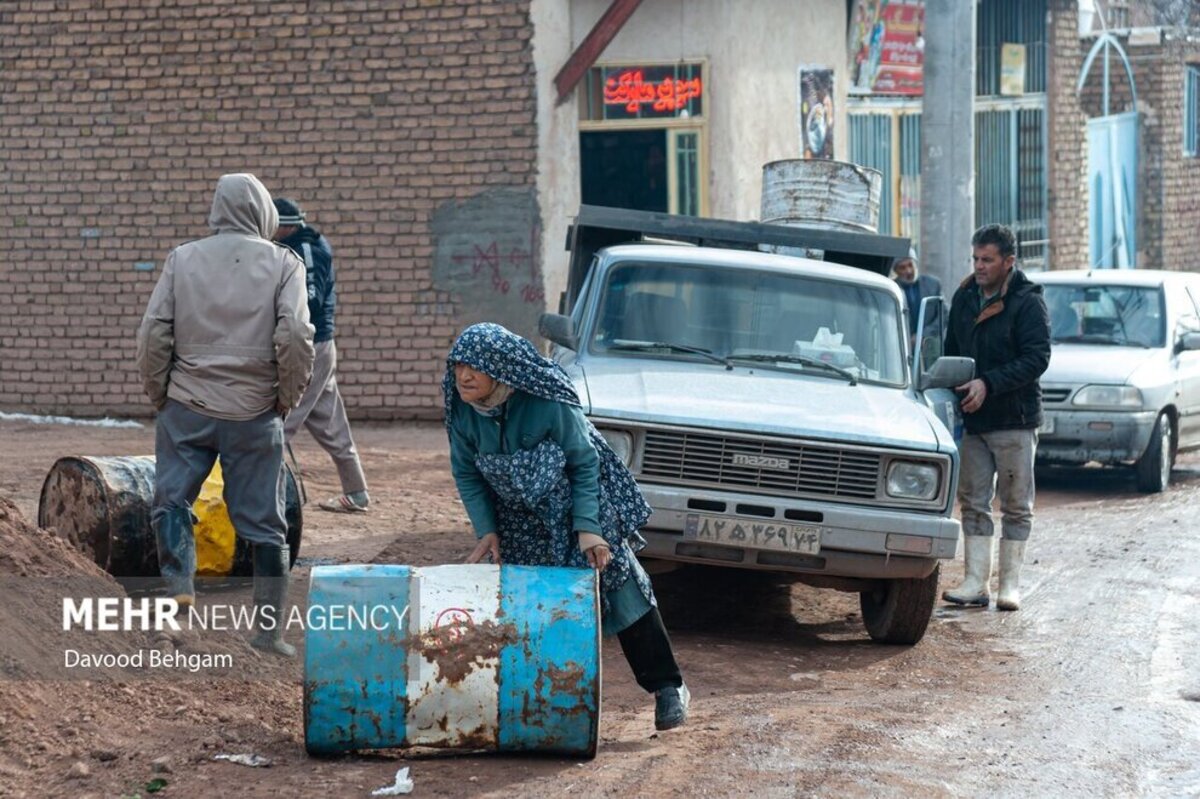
pixel 1123 386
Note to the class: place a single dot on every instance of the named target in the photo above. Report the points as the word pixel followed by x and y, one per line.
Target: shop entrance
pixel 640 138
pixel 625 169
pixel 644 169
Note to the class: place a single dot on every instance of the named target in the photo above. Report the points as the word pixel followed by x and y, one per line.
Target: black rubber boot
pixel 270 599
pixel 177 554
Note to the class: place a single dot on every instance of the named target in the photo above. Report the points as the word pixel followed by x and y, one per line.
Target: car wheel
pixel 899 610
pixel 1154 467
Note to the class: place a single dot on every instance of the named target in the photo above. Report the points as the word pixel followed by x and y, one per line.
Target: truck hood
pixel 756 401
pixel 1091 363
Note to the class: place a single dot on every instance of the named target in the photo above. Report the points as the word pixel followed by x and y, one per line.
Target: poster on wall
pixel 816 112
pixel 887 47
pixel 1012 69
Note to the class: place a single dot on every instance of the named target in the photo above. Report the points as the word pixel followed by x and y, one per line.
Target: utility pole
pixel 948 141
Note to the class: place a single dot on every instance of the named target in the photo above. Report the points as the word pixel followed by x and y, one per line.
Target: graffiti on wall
pixel 486 254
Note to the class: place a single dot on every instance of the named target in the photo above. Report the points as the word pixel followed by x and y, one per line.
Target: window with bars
pixel 1191 111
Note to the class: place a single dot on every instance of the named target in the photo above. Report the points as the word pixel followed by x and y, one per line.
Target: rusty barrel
pixel 102 506
pixel 821 193
pixel 505 658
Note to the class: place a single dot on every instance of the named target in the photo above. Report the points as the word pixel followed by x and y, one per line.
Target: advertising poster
pixel 816 112
pixel 1012 69
pixel 887 47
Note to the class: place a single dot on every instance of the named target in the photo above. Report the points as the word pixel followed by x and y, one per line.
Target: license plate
pixel 1047 427
pixel 785 537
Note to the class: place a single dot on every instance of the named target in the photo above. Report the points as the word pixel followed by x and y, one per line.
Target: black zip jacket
pixel 314 250
pixel 1009 338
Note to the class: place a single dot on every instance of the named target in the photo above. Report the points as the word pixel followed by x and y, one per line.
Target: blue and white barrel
pixel 505 658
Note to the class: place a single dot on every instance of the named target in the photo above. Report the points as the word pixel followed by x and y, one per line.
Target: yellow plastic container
pixel 215 538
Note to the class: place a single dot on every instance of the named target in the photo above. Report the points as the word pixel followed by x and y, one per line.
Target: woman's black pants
pixel 648 650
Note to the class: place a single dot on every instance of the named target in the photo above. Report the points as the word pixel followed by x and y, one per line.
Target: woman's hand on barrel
pixel 489 545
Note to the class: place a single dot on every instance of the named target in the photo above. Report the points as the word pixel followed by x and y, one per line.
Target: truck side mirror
pixel 1188 342
pixel 559 329
pixel 948 372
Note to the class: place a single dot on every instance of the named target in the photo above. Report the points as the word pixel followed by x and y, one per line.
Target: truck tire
pixel 899 611
pixel 1154 467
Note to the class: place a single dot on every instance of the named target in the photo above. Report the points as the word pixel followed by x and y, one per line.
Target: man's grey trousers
pixel 186 444
pixel 323 413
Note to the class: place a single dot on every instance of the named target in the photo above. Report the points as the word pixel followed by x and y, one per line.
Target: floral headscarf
pixel 503 355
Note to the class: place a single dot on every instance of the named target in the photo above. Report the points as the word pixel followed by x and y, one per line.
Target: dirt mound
pixel 38 571
pixel 28 551
pixel 66 727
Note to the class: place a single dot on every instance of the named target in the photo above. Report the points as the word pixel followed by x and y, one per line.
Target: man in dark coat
pixel 915 286
pixel 321 410
pixel 998 317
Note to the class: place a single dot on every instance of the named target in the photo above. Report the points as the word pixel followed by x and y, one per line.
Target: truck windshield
pixel 742 313
pixel 1128 316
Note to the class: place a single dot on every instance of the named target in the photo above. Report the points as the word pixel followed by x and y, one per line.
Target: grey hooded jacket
pixel 226 331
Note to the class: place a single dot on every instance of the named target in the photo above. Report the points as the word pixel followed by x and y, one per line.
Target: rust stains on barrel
pixel 457 648
pixel 821 193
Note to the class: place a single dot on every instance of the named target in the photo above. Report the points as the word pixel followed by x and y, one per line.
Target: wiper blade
pixel 774 357
pixel 1089 338
pixel 642 346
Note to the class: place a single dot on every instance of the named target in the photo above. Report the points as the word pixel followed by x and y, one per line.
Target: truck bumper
pixel 856 542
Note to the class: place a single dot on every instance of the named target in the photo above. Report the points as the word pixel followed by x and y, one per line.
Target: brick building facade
pixel 406 129
pixel 1168 179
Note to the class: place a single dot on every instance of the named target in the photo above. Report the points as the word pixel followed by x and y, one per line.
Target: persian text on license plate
pixel 803 538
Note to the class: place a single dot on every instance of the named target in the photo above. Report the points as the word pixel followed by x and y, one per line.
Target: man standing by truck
pixel 997 317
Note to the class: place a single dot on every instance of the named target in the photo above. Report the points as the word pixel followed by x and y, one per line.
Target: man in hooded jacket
pixel 225 350
pixel 997 317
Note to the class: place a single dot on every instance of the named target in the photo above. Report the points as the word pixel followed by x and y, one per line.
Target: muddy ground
pixel 1092 689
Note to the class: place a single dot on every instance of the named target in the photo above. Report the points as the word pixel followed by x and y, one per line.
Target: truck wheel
pixel 1154 467
pixel 899 611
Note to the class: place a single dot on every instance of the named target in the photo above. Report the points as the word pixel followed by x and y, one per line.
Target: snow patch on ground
pixel 105 422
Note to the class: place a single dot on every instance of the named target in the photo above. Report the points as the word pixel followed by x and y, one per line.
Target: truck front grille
pixel 778 467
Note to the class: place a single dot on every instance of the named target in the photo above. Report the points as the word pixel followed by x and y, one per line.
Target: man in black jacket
pixel 998 317
pixel 321 409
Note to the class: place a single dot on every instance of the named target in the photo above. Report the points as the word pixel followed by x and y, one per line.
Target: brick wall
pixel 378 115
pixel 1180 182
pixel 1066 194
pixel 1168 182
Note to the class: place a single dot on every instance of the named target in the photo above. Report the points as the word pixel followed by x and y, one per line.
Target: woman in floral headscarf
pixel 543 488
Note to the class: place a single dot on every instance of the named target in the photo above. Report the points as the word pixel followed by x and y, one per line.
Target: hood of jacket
pixel 242 204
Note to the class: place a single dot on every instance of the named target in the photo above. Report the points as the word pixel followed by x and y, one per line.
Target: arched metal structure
pixel 1112 166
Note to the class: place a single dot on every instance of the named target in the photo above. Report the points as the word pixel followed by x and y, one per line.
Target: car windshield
pixel 691 312
pixel 1129 316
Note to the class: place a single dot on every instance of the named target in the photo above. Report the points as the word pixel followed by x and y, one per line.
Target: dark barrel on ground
pixel 102 506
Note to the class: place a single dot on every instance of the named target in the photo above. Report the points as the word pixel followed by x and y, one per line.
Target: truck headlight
pixel 1108 397
pixel 621 443
pixel 908 480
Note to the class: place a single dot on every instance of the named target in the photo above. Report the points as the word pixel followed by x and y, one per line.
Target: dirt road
pixel 1092 689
